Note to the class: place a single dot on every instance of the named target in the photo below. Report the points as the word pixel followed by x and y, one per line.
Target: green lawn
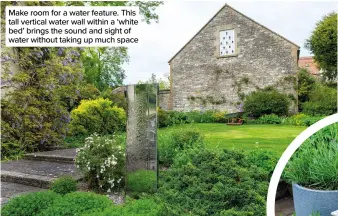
pixel 274 137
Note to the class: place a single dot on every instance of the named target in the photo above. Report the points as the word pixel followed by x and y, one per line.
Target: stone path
pixel 36 172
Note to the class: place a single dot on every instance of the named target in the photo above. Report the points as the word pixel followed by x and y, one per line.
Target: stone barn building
pixel 231 56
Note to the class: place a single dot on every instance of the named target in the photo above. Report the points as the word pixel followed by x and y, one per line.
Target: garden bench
pixel 235 118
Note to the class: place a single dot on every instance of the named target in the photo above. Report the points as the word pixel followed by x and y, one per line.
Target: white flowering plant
pixel 102 163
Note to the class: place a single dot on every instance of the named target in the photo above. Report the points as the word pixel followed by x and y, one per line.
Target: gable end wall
pixel 202 80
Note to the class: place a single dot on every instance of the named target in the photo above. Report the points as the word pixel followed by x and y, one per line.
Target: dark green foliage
pixel 12 150
pixel 88 92
pixel 141 181
pixel 97 116
pixel 118 99
pixel 315 163
pixel 203 182
pixel 169 118
pixel 300 119
pixel 306 84
pixel 266 102
pixel 76 203
pixel 264 159
pixel 141 207
pixel 269 119
pixel 84 92
pixel 173 143
pixel 64 185
pixel 74 141
pixel 322 101
pixel 48 203
pixel 323 44
pixel 29 204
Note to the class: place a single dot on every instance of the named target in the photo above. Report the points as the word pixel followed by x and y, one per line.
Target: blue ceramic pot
pixel 308 201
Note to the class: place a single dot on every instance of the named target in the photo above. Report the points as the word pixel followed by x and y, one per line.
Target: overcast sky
pixel 180 20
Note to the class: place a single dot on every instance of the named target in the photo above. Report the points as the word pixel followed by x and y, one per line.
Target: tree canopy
pixel 323 44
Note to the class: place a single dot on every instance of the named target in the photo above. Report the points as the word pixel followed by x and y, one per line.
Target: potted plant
pixel 313 172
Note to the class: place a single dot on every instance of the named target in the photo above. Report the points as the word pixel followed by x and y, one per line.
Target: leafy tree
pixel 323 44
pixel 322 101
pixel 103 66
pixel 306 83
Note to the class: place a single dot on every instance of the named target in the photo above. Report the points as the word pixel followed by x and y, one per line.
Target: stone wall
pixel 164 99
pixel 200 79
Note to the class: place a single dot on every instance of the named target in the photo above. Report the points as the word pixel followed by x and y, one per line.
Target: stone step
pixel 36 173
pixel 64 156
pixel 10 190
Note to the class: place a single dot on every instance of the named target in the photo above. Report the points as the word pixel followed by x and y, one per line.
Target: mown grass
pixel 273 137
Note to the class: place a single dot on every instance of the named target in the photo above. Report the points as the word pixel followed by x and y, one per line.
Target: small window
pixel 227 37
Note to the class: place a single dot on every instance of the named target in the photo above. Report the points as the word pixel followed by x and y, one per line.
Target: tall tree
pixel 323 44
pixel 104 66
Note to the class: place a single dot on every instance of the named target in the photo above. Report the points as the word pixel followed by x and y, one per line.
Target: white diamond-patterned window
pixel 227 42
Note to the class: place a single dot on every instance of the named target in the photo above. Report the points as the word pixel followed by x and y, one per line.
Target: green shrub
pixel 264 159
pixel 269 119
pixel 64 185
pixel 163 118
pixel 200 117
pixel 88 92
pixel 97 116
pixel 301 119
pixel 219 117
pixel 141 181
pixel 204 182
pixel 85 92
pixel 169 118
pixel 76 203
pixel 11 150
pixel 141 207
pixel 74 141
pixel 170 144
pixel 29 204
pixel 118 99
pixel 306 84
pixel 102 163
pixel 266 102
pixel 315 163
pixel 323 101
